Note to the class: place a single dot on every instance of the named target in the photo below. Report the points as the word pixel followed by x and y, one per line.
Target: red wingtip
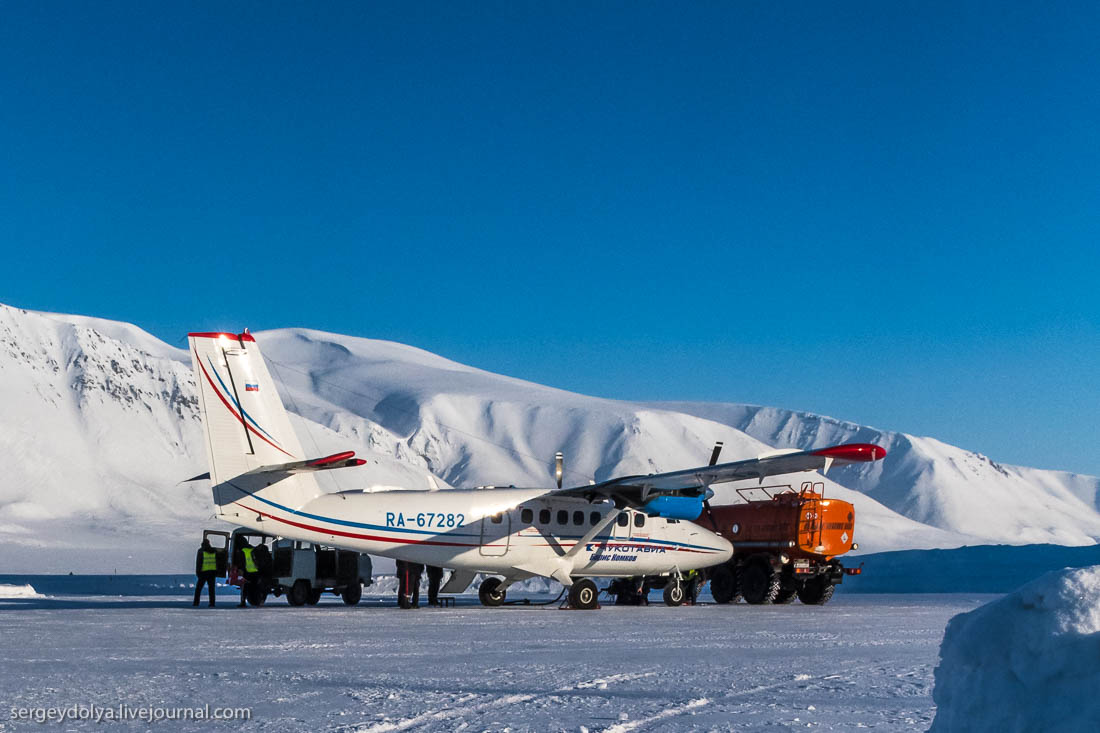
pixel 334 458
pixel 246 336
pixel 853 452
pixel 356 462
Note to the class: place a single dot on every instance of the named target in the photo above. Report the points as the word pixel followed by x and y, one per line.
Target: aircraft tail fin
pixel 247 429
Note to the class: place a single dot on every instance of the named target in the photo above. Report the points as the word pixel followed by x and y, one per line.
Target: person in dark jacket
pixel 262 557
pixel 206 568
pixel 435 577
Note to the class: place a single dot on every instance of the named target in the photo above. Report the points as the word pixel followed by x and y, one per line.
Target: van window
pixel 578 518
pixel 595 518
pixel 563 516
pixel 527 516
pixel 639 519
pixel 544 516
pixel 498 518
pixel 624 519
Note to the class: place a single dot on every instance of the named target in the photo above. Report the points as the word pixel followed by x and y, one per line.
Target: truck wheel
pixel 352 594
pixel 674 593
pixel 759 583
pixel 816 591
pixel 786 594
pixel 723 585
pixel 314 597
pixel 299 592
pixel 490 593
pixel 583 595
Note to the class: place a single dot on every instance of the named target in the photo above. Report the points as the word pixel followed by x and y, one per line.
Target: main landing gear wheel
pixel 314 597
pixel 723 585
pixel 352 594
pixel 674 593
pixel 299 593
pixel 816 591
pixel 490 593
pixel 584 595
pixel 759 583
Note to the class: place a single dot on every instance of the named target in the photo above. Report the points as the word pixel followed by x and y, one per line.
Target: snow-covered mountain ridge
pixel 100 425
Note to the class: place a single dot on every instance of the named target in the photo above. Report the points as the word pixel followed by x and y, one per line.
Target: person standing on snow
pixel 435 577
pixel 206 567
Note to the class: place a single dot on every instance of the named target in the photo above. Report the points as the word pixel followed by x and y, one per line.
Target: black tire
pixel 298 594
pixel 314 597
pixel 674 593
pixel 256 596
pixel 724 585
pixel 759 583
pixel 490 593
pixel 816 591
pixel 584 595
pixel 786 594
pixel 352 594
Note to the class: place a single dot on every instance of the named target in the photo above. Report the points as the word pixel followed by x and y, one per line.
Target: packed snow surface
pixel 860 662
pixel 1029 661
pixel 19 591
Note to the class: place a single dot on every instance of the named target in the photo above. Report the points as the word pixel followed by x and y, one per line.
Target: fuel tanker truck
pixel 786 544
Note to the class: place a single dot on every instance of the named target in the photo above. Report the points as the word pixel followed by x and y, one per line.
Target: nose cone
pixel 724 548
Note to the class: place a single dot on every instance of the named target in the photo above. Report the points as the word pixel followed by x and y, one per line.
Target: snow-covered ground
pixel 861 661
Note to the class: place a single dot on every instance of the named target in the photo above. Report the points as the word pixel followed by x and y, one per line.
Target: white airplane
pixel 629 526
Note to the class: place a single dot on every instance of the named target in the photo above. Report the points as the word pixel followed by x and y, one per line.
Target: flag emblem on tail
pixel 251 387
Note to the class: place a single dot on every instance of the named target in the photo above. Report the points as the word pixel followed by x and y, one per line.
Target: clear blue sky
pixel 884 212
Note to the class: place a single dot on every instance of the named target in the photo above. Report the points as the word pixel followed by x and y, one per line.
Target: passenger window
pixel 595 518
pixel 544 516
pixel 624 519
pixel 498 518
pixel 563 516
pixel 527 516
pixel 639 519
pixel 578 518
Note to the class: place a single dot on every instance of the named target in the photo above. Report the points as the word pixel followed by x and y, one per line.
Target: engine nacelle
pixel 674 507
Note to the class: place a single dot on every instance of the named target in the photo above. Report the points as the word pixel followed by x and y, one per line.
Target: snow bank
pixel 1029 661
pixel 19 591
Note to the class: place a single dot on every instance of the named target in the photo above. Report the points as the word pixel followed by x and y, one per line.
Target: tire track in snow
pixel 669 713
pixel 454 712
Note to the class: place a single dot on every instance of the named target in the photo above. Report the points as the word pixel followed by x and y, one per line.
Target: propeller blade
pixel 559 467
pixel 717 452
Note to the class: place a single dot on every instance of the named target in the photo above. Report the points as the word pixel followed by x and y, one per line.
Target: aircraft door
pixel 624 525
pixel 496 532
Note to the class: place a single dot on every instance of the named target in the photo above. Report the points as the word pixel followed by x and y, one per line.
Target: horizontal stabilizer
pixel 346 459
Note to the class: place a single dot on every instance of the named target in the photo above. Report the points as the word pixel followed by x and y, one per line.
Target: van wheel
pixel 584 595
pixel 352 594
pixel 299 592
pixel 314 597
pixel 256 596
pixel 490 593
pixel 759 583
pixel 674 593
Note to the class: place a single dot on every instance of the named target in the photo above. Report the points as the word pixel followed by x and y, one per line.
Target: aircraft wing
pixel 638 491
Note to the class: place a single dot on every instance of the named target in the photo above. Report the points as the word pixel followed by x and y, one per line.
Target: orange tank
pixel 804 524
